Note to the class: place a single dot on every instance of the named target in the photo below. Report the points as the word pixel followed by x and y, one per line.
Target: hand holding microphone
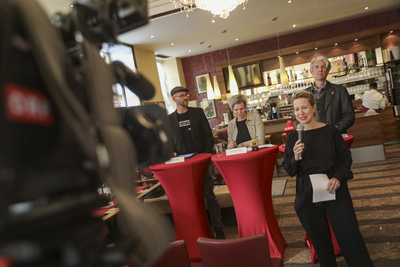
pixel 299 146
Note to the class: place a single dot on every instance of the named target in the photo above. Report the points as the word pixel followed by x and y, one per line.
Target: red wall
pixel 193 66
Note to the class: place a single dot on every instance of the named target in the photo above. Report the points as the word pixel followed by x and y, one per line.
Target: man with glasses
pixel 192 133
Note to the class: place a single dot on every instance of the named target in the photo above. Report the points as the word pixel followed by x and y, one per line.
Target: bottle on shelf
pixel 269 79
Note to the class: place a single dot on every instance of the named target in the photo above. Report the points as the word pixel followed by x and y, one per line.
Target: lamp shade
pixel 210 91
pixel 217 92
pixel 232 82
pixel 284 76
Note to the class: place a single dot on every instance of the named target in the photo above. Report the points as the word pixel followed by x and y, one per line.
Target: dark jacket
pixel 200 129
pixel 338 107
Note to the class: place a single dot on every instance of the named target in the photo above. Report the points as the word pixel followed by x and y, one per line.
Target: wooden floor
pixel 375 190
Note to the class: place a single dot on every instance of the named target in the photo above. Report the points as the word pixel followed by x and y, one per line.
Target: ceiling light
pixel 297 53
pixel 283 73
pixel 152 36
pixel 237 39
pixel 391 32
pixel 233 87
pixel 336 44
pixel 71 5
pixel 190 50
pixel 173 44
pixel 289 1
pixel 294 25
pixel 355 40
pixel 366 7
pixel 213 21
pixel 217 8
pixel 316 48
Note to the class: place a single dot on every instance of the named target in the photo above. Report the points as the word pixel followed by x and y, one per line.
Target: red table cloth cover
pixel 184 185
pixel 249 180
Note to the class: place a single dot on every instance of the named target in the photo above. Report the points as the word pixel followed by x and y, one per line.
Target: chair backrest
pixel 247 251
pixel 175 255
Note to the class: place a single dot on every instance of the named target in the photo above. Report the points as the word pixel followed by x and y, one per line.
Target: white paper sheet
pixel 319 182
pixel 236 151
pixel 175 160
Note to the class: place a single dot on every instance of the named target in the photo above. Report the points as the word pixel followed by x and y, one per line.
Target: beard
pixel 184 103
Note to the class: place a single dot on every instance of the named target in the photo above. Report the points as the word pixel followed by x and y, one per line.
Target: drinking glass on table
pixel 218 149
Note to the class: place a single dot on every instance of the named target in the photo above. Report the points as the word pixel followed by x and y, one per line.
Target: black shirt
pixel 184 125
pixel 243 133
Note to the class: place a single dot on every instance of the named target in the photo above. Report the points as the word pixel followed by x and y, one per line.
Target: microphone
pixel 300 129
pixel 136 82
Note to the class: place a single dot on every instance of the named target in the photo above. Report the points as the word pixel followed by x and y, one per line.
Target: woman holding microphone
pixel 324 151
pixel 246 126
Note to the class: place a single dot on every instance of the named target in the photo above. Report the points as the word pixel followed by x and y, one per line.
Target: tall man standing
pixel 192 133
pixel 333 101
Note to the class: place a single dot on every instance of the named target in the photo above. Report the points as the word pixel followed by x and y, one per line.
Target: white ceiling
pixel 252 24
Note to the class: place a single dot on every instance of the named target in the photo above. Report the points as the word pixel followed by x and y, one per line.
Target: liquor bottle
pixel 269 79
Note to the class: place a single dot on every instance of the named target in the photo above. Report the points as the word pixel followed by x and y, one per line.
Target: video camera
pixel 61 137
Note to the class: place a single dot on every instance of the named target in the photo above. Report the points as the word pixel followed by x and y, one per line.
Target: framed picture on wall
pixel 201 82
pixel 208 108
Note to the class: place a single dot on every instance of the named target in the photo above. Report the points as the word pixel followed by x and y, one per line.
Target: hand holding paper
pixel 319 183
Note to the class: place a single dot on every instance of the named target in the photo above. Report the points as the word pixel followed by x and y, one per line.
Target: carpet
pixel 278 187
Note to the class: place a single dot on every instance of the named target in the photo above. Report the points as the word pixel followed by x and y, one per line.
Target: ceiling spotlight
pixel 391 32
pixel 172 43
pixel 297 52
pixel 237 39
pixel 294 25
pixel 366 7
pixel 71 5
pixel 316 48
pixel 152 36
pixel 190 50
pixel 289 1
pixel 355 40
pixel 213 21
pixel 336 44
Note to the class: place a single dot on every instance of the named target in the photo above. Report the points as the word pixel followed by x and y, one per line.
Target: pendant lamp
pixel 284 76
pixel 210 91
pixel 217 92
pixel 232 81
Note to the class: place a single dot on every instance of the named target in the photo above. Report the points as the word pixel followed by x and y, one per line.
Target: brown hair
pixel 311 99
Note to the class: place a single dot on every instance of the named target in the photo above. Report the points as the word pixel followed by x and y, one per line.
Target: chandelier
pixel 220 8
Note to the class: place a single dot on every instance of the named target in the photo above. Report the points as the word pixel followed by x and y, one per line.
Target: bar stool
pixel 268 140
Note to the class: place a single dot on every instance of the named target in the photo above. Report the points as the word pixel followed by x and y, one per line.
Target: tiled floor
pixel 375 190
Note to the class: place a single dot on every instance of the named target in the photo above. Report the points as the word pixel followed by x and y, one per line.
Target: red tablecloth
pixel 184 185
pixel 249 179
pixel 98 212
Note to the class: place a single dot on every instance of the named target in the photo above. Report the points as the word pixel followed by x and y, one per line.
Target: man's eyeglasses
pixel 181 95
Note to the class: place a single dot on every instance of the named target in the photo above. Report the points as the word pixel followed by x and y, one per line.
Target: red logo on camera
pixel 26 105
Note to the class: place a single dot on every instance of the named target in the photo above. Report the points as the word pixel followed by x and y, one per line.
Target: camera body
pixel 62 137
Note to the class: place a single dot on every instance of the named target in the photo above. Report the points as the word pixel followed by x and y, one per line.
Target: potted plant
pixel 278 77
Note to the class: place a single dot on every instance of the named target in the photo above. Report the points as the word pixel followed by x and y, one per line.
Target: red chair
pixel 175 255
pixel 247 251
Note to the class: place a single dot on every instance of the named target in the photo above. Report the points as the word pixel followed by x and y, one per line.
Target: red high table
pixel 249 180
pixel 184 185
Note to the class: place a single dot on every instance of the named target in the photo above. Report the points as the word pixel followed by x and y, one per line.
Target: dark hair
pixel 311 99
pixel 373 85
